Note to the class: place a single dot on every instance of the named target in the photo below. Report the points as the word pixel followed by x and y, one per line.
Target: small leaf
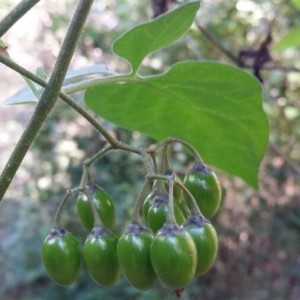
pixel 291 39
pixel 37 90
pixel 32 92
pixel 23 96
pixel 40 72
pixel 2 44
pixel 143 39
pixel 215 107
pixel 3 48
pixel 77 75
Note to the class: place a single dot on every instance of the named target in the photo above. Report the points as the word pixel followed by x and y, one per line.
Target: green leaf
pixel 291 39
pixel 36 90
pixel 215 107
pixel 78 75
pixel 143 39
pixel 2 44
pixel 296 3
pixel 23 96
pixel 32 92
pixel 41 73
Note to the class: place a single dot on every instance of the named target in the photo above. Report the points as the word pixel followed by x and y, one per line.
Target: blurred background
pixel 259 231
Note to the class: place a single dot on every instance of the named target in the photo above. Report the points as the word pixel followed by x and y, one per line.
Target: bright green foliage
pixel 291 39
pixel 296 3
pixel 138 42
pixel 215 107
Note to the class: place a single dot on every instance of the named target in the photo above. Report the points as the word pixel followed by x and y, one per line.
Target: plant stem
pixel 148 162
pixel 90 118
pixel 194 209
pixel 167 141
pixel 81 110
pixel 71 88
pixel 49 96
pixel 15 14
pixel 97 219
pixel 85 178
pixel 56 219
pixel 85 84
pixel 171 216
pixel 139 201
pixel 97 156
pixel 22 71
pixel 165 160
pixel 217 43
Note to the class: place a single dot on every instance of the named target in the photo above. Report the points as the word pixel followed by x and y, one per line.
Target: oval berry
pixel 61 256
pixel 104 206
pixel 134 256
pixel 206 241
pixel 203 184
pixel 100 256
pixel 174 256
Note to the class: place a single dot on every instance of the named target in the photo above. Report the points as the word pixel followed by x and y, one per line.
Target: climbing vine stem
pixel 49 96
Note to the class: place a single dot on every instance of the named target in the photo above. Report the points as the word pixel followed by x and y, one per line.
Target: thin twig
pixel 291 163
pixel 216 42
pixel 15 14
pixel 81 110
pixel 268 67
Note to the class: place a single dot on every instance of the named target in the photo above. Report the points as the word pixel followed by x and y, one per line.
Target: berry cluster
pixel 170 237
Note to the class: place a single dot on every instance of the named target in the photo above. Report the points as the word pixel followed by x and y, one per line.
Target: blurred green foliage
pixel 259 231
